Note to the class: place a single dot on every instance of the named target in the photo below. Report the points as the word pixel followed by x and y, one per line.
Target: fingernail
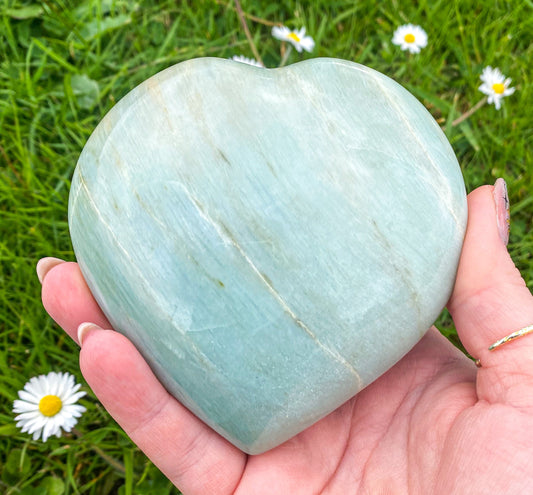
pixel 503 215
pixel 84 329
pixel 44 265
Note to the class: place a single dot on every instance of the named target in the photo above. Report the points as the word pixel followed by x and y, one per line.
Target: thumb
pixel 491 300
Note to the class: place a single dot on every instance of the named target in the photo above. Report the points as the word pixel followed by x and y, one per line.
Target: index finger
pixel 67 299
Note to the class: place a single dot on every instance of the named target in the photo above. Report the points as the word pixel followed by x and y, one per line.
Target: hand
pixel 434 423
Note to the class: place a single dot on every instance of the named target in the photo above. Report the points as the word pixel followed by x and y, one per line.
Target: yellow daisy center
pixel 293 37
pixel 498 88
pixel 409 38
pixel 50 405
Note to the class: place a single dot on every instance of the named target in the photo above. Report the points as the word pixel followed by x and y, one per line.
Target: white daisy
pixel 410 37
pixel 47 405
pixel 297 38
pixel 246 60
pixel 495 86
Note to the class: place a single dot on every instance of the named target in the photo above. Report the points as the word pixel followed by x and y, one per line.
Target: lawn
pixel 63 65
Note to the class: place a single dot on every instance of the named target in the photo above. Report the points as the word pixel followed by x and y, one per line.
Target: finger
pixel 491 300
pixel 190 454
pixel 66 297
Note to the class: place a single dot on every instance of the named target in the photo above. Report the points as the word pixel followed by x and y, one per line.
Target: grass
pixel 63 65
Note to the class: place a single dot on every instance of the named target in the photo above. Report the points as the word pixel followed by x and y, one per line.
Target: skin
pixel 434 423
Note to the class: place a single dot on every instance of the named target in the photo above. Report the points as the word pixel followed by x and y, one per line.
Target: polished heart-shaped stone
pixel 271 240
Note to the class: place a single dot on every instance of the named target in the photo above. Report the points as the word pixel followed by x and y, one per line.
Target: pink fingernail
pixel 503 215
pixel 84 329
pixel 44 265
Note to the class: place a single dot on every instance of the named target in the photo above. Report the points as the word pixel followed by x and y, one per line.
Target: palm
pixel 433 423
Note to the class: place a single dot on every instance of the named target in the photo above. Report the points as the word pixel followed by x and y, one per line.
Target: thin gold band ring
pixel 511 336
pixel 508 338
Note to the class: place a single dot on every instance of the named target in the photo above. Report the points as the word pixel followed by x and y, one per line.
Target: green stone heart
pixel 271 240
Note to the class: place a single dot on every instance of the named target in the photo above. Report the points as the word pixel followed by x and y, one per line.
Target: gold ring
pixel 511 336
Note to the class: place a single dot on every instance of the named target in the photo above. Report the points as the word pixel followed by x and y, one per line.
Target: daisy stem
pixel 247 32
pixel 110 460
pixel 253 18
pixel 286 56
pixel 470 112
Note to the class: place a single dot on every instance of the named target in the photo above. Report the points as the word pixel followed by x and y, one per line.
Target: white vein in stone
pixel 132 263
pixel 412 132
pixel 228 240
